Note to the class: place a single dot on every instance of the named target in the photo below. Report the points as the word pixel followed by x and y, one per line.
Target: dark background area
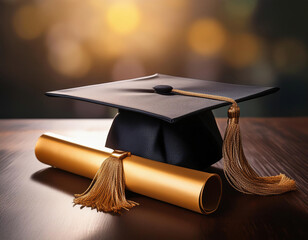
pixel 54 44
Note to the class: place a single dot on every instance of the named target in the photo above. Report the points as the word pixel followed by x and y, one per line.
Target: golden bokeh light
pixel 242 50
pixel 69 58
pixel 290 55
pixel 106 46
pixel 102 30
pixel 27 22
pixel 207 37
pixel 123 17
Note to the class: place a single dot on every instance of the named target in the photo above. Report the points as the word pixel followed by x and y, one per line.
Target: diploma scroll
pixel 187 188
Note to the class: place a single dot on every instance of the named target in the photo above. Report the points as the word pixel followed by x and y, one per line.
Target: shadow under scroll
pixel 63 181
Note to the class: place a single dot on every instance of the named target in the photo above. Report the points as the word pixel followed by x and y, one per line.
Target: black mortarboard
pixel 174 129
pixel 138 95
pixel 169 119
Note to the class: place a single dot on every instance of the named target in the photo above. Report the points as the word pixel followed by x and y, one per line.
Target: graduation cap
pixel 169 119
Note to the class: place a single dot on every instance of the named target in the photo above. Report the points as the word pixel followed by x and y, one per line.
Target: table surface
pixel 36 200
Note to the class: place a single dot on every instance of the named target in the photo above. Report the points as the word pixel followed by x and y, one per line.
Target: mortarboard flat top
pixel 138 95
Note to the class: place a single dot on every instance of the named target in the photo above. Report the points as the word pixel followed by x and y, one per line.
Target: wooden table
pixel 36 200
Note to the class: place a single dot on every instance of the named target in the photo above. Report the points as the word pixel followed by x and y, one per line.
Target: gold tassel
pixel 237 170
pixel 107 190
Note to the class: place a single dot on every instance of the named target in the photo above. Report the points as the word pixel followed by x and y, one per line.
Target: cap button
pixel 163 89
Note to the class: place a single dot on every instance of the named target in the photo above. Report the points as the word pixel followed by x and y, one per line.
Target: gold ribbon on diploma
pixel 191 189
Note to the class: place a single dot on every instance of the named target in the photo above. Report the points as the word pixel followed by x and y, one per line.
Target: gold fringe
pixel 237 170
pixel 107 190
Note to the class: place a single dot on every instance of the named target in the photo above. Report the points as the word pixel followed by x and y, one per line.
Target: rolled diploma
pixel 187 188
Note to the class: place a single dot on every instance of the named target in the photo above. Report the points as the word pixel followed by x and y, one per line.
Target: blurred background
pixel 53 44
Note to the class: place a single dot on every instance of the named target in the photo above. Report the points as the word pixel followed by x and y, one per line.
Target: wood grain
pixel 36 200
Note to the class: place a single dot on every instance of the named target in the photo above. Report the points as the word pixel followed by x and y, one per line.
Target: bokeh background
pixel 53 44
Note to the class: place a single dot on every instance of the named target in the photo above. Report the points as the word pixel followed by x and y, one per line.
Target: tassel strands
pixel 237 170
pixel 107 190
